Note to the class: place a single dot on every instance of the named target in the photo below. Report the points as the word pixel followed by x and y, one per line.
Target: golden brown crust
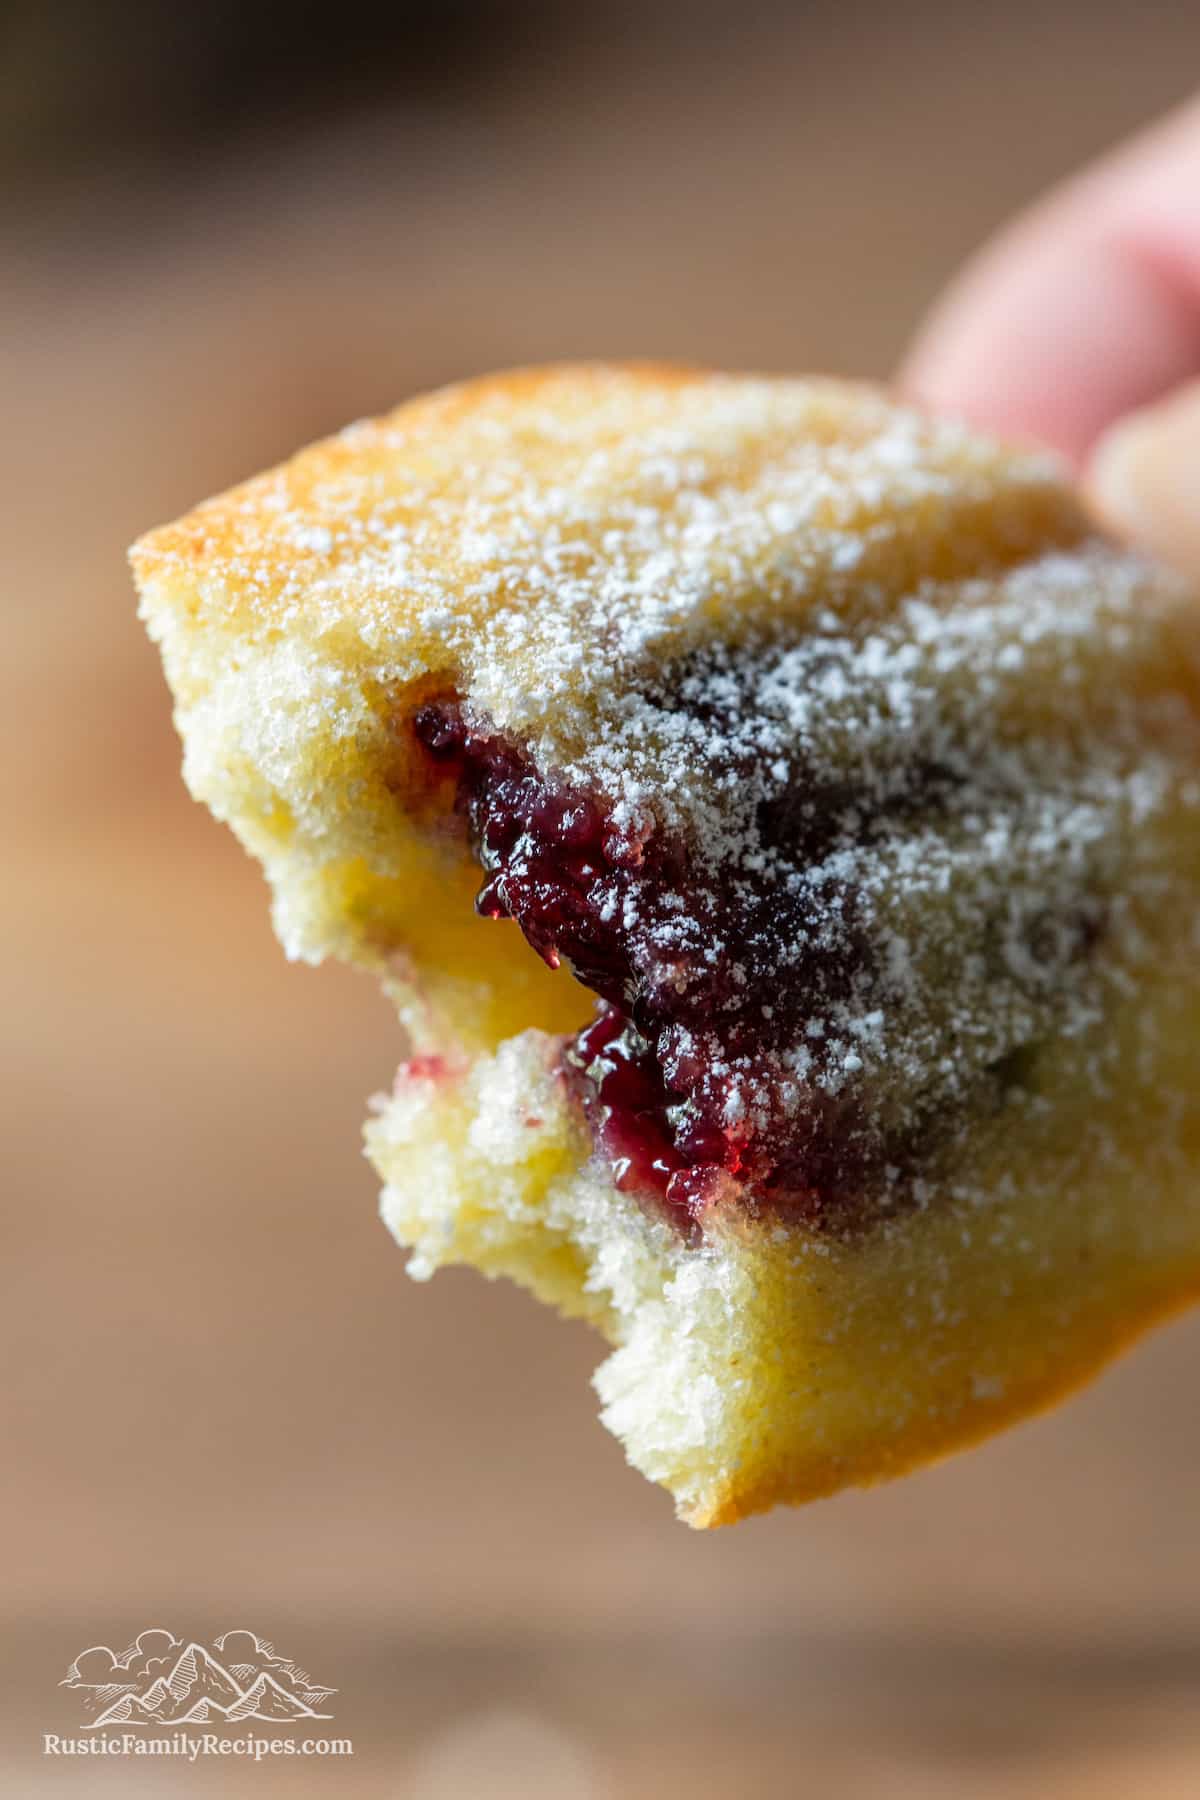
pixel 619 513
pixel 924 1444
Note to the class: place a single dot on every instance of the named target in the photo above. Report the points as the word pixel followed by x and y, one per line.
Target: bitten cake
pixel 776 815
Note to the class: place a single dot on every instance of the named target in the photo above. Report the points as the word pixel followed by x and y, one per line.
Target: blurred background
pixel 229 229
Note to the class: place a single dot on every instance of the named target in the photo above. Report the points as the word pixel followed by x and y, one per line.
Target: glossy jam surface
pixel 661 1070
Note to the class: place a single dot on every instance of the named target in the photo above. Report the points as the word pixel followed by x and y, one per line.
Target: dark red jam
pixel 655 1140
pixel 699 988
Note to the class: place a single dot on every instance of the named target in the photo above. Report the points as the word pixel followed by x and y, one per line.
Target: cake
pixel 776 817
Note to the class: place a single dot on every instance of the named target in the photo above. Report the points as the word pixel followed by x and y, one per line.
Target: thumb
pixel 1144 479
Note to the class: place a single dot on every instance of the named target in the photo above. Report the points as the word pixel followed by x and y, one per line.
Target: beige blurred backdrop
pixel 223 1402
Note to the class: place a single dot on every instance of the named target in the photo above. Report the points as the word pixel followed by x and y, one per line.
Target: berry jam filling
pixel 700 989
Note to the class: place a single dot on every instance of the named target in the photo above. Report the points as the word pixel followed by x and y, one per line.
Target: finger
pixel 1085 308
pixel 1144 479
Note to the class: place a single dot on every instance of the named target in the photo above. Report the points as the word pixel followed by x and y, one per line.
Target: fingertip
pixel 1085 308
pixel 1143 480
pixel 1055 336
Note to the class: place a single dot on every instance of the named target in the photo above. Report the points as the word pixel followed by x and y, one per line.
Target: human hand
pixel 1080 326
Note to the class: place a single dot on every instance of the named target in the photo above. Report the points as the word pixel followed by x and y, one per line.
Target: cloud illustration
pixel 152 1650
pixel 245 1647
pixel 245 1653
pixel 98 1666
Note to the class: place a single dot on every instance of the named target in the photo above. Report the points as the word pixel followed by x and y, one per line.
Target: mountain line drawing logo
pixel 160 1679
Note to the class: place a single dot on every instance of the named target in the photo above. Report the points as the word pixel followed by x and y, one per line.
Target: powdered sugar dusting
pixel 866 667
pixel 849 882
pixel 548 535
pixel 955 808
